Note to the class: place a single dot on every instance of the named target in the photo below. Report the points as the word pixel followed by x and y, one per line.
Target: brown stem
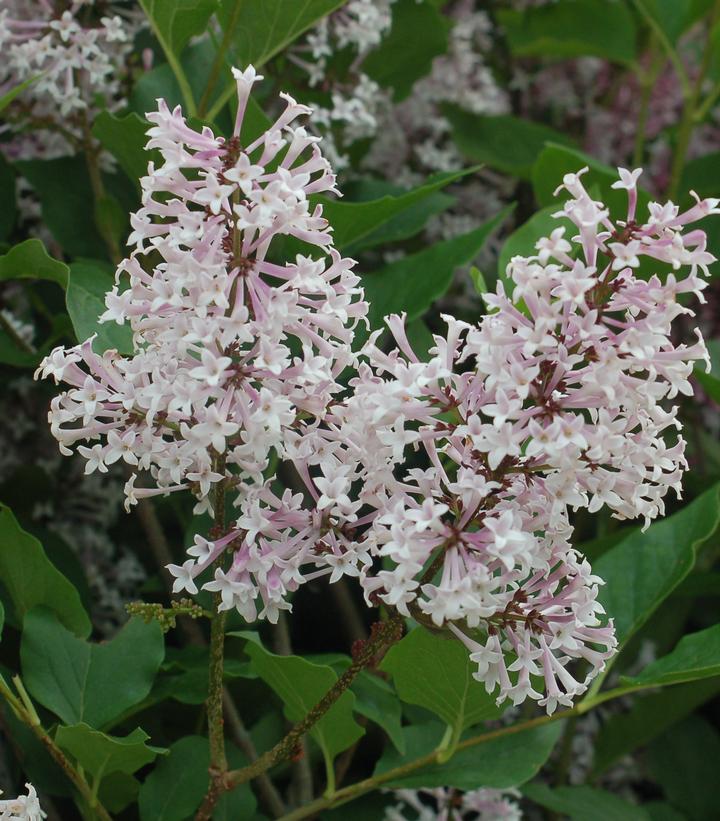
pixel 387 633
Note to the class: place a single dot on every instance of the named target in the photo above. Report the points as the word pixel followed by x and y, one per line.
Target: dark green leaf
pixel 510 144
pixel 436 673
pixel 89 281
pixel 301 684
pixel 8 208
pixel 500 763
pixel 696 656
pixel 100 754
pixel 118 791
pixel 125 138
pixel 684 762
pixel 419 33
pixel 584 803
pixel 377 700
pixel 84 682
pixel 262 30
pixel 650 716
pixel 31 579
pixel 673 16
pixel 572 28
pixel 643 569
pixel 30 260
pixel 356 223
pixel 175 788
pixel 413 283
pixel 710 381
pixel 67 210
pixel 702 175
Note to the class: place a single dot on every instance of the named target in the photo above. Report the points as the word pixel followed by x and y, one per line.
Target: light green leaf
pixel 584 803
pixel 572 28
pixel 31 579
pixel 500 763
pixel 30 260
pixel 89 281
pixel 100 754
pixel 176 22
pixel 413 283
pixel 522 241
pixel 419 33
pixel 85 682
pixel 262 30
pixel 175 788
pixel 301 684
pixel 696 656
pixel 436 673
pixel 650 716
pixel 510 144
pixel 9 96
pixel 643 569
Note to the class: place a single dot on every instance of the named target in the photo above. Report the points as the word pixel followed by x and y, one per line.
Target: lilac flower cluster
pixel 551 403
pixel 444 485
pixel 23 808
pixel 443 804
pixel 231 350
pixel 73 57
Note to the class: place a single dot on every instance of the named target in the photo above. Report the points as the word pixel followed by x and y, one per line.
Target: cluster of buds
pixel 446 804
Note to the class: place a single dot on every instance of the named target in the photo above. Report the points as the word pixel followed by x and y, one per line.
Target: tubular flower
pixel 23 808
pixel 447 804
pixel 467 465
pixel 232 349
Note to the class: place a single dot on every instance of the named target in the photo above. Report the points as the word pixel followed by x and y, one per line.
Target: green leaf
pixel 522 241
pixel 500 763
pixel 696 656
pixel 175 23
pixel 413 283
pixel 584 803
pixel 356 223
pixel 67 210
pixel 643 569
pixel 262 30
pixel 419 33
pixel 710 381
pixel 8 207
pixel 175 788
pixel 85 682
pixel 650 716
pixel 300 684
pixel 89 281
pixel 673 16
pixel 572 28
pixel 31 579
pixel 510 144
pixel 436 673
pixel 9 96
pixel 684 762
pixel 702 175
pixel 118 791
pixel 125 138
pixel 377 700
pixel 30 260
pixel 100 754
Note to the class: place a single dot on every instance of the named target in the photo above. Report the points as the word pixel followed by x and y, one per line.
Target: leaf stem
pixel 25 711
pixel 386 633
pixel 219 60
